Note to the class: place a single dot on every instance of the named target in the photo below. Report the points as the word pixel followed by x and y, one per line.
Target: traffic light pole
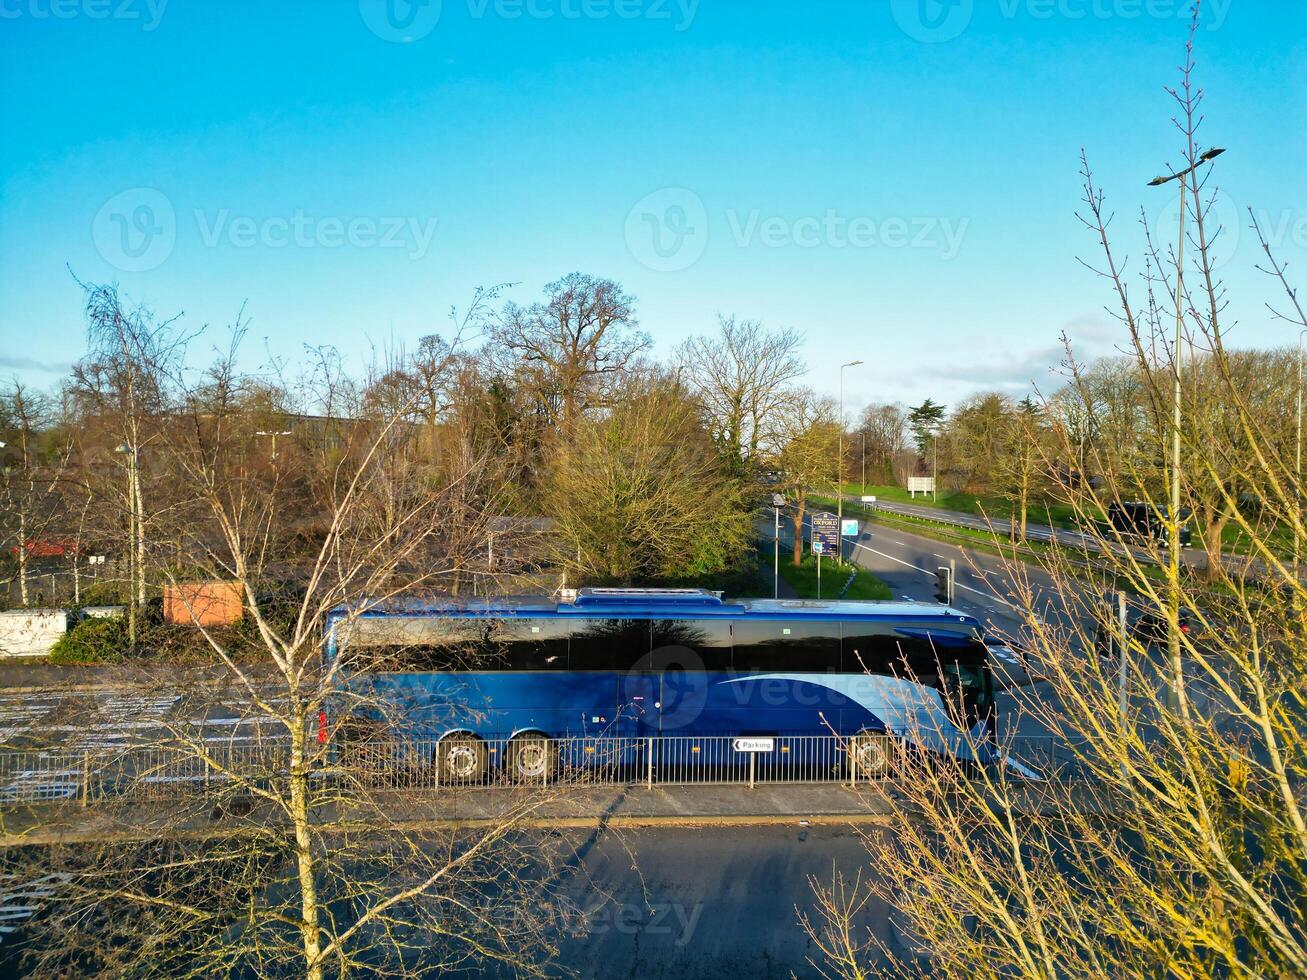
pixel 945 575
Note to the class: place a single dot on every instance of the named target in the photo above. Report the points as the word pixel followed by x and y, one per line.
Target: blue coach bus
pixel 508 683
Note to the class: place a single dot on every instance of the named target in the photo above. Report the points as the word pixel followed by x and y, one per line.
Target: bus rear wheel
pixel 532 757
pixel 461 759
pixel 871 754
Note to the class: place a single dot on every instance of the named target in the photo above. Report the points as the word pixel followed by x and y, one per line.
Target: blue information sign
pixel 826 530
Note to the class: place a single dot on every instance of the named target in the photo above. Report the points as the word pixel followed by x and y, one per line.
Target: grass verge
pixel 803 580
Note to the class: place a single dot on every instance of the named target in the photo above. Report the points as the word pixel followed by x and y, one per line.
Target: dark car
pixel 1144 521
pixel 1154 628
pixel 1148 628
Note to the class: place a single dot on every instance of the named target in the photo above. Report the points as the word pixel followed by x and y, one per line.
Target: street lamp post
pixel 283 432
pixel 1175 696
pixel 776 549
pixel 934 467
pixel 839 478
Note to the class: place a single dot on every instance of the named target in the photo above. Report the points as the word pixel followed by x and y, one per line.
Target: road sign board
pixel 826 529
pixel 777 500
pixel 868 500
pixel 754 745
pixel 849 528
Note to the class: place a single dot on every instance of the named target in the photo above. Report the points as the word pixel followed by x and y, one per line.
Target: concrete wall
pixel 31 632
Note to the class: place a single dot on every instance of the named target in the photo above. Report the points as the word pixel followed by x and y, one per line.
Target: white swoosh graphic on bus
pixel 904 707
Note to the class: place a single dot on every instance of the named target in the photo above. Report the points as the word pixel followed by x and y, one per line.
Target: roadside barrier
pixel 154 772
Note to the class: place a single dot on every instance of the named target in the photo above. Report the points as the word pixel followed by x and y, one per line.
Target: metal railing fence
pixel 145 772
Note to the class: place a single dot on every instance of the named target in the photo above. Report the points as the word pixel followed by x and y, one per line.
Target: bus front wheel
pixel 532 757
pixel 461 759
pixel 871 754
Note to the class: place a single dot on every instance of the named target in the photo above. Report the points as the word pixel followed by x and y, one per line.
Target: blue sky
pixel 896 178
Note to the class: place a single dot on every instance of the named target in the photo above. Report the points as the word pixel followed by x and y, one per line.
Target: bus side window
pixel 691 645
pixel 440 645
pixel 868 648
pixel 534 644
pixel 786 646
pixel 609 644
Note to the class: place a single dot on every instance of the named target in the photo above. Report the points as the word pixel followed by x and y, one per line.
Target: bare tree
pixel 1023 461
pixel 124 389
pixel 33 471
pixel 574 346
pixel 740 375
pixel 883 430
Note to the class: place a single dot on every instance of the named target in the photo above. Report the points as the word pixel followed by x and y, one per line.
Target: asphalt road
pixel 907 563
pixel 679 902
pixel 695 903
pixel 1192 557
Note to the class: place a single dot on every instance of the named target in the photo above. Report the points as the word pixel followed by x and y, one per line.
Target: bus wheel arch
pixel 531 755
pixel 462 756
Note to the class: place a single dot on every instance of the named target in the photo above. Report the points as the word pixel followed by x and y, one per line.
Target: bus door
pixel 639 703
pixel 615 653
pixel 692 657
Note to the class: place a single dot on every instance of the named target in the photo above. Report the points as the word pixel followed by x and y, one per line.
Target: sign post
pixel 826 529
